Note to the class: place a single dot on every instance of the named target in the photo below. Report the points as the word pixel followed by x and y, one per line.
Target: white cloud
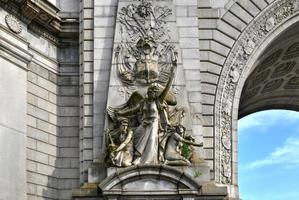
pixel 288 155
pixel 265 119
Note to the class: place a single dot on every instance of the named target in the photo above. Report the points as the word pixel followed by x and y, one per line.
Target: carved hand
pixel 197 144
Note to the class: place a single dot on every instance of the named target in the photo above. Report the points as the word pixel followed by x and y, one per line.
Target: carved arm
pixel 170 80
pixel 181 139
pixel 128 111
pixel 126 142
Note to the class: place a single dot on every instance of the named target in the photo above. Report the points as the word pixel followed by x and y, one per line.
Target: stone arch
pixel 150 180
pixel 220 30
pixel 253 40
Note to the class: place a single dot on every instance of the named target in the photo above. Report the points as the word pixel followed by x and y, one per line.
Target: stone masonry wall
pixel 104 28
pixel 53 122
pixel 52 90
pixel 52 134
pixel 42 133
pixel 68 120
pixel 86 87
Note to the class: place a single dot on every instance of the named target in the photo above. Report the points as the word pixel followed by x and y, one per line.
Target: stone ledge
pixel 14 53
pixel 87 190
pixel 151 180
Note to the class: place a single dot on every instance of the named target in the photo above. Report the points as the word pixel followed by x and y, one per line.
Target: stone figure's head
pixel 180 129
pixel 153 91
pixel 144 10
pixel 124 122
pixel 146 45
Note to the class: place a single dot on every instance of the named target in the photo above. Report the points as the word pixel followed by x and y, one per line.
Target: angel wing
pixel 134 101
pixel 125 70
pixel 170 97
pixel 176 116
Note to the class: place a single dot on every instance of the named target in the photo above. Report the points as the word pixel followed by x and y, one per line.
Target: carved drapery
pixel 149 126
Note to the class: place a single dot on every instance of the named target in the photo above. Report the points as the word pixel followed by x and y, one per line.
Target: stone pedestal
pixel 150 182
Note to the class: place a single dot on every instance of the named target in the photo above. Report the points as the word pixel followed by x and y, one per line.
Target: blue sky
pixel 269 155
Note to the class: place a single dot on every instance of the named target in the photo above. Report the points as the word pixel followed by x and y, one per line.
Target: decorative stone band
pixel 16 54
pixel 235 63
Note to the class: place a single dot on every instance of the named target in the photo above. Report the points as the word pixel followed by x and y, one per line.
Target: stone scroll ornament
pixel 144 54
pixel 147 129
pixel 235 64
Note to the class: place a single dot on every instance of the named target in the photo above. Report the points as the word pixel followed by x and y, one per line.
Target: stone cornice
pixel 15 53
pixel 44 13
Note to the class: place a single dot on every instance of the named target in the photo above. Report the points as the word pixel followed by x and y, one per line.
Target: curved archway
pixel 253 41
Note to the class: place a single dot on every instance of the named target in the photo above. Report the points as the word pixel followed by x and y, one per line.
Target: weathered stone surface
pixel 13 131
pixel 60 106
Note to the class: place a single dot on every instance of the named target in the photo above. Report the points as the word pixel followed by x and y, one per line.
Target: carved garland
pixel 233 68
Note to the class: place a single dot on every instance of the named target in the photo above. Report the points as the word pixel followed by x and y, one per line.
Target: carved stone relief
pixel 259 78
pixel 283 69
pixel 148 128
pixel 270 60
pixel 145 52
pixel 255 33
pixel 13 24
pixel 272 85
pixel 297 69
pixel 292 52
pixel 293 83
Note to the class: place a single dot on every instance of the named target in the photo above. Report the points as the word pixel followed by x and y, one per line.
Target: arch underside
pixel 274 82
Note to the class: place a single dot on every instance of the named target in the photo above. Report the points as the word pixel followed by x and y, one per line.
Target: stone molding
pixel 16 54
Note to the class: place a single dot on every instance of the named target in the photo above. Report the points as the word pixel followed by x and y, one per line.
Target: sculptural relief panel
pixel 148 119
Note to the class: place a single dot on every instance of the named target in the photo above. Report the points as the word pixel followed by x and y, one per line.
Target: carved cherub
pixel 173 151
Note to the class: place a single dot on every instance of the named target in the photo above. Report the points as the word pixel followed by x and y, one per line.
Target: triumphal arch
pixel 137 99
